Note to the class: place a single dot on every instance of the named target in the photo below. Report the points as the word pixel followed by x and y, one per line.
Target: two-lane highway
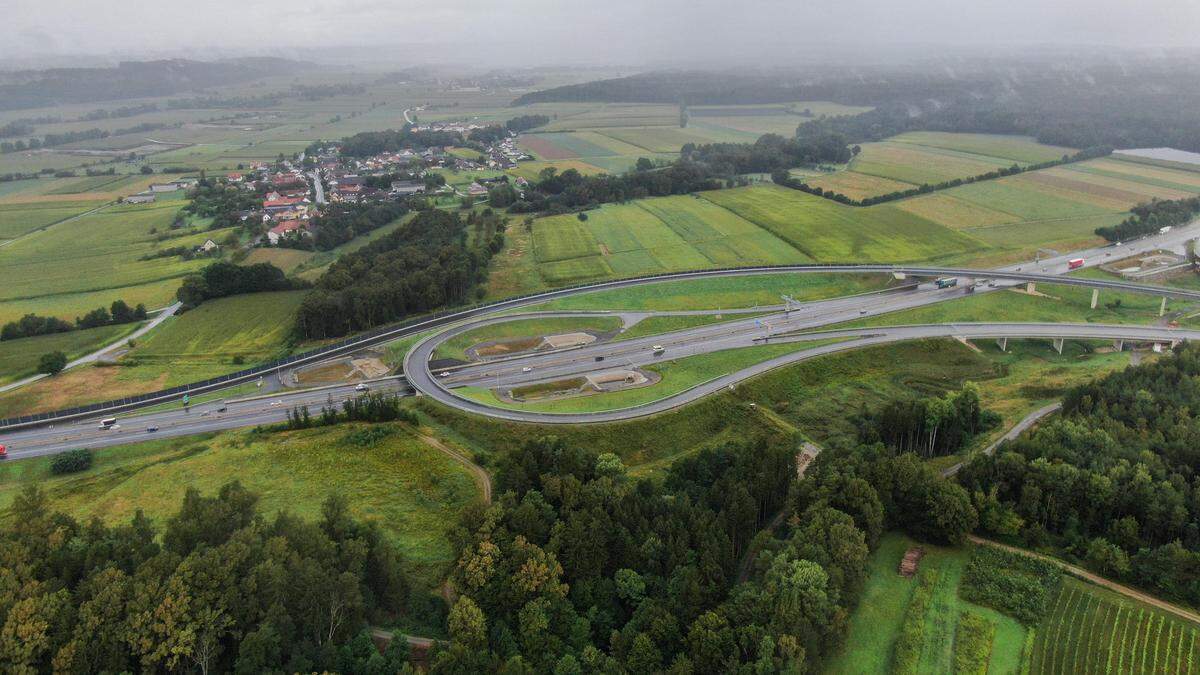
pixel 177 421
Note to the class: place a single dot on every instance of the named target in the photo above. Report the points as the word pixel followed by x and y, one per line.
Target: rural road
pixel 150 325
pixel 1019 428
pixel 556 365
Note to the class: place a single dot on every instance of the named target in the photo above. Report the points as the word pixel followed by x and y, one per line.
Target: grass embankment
pixel 819 397
pixel 19 358
pixel 1053 304
pixel 219 336
pixel 531 329
pixel 657 325
pixel 678 375
pixel 878 623
pixel 756 290
pixel 386 472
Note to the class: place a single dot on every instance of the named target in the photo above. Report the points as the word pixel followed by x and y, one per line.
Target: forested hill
pixel 1082 104
pixel 133 79
pixel 733 88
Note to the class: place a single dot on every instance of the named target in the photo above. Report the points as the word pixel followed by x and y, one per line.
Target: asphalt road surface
pixel 177 421
pixel 740 333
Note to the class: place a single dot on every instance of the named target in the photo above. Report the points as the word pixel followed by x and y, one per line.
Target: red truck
pixel 1075 264
pixel 3 452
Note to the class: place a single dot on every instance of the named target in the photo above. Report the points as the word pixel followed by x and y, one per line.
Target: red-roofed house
pixel 288 228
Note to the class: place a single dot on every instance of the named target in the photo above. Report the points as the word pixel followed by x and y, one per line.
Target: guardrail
pixel 411 326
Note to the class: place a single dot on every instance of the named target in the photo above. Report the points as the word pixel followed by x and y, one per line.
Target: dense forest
pixel 220 588
pixel 133 79
pixel 579 567
pixel 424 264
pixel 1112 482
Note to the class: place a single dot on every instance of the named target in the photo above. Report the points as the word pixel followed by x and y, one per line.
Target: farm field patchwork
pixel 911 159
pixel 655 235
pixel 99 252
pixel 826 231
pixel 22 218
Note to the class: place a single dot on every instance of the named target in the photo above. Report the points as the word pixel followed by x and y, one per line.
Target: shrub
pixel 1014 584
pixel 52 363
pixel 973 644
pixel 71 461
pixel 907 656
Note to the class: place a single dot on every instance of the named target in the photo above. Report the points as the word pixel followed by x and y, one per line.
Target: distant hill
pixel 132 79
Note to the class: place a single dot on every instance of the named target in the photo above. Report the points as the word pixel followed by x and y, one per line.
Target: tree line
pixel 426 263
pixel 1150 217
pixel 220 588
pixel 368 143
pixel 222 279
pixel 1111 483
pixel 32 325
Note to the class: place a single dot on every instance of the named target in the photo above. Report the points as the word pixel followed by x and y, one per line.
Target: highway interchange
pixel 780 324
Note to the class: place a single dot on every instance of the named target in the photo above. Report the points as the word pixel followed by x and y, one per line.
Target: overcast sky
pixel 573 31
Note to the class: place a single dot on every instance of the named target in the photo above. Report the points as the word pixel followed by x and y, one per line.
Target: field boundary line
pixel 1096 579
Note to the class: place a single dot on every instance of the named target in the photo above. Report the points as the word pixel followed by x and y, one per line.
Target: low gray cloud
pixel 572 31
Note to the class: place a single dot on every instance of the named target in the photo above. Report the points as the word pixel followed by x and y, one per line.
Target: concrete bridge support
pixel 1030 287
pixel 1119 345
pixel 1095 297
pixel 1002 343
pixel 1162 309
pixel 1058 345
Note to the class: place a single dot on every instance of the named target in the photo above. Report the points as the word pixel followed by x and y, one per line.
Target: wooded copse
pixel 425 264
pixel 1112 483
pixel 1150 217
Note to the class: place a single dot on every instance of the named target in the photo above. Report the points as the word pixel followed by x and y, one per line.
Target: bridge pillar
pixel 1174 344
pixel 1095 297
pixel 1030 287
pixel 1058 345
pixel 1119 345
pixel 1002 343
pixel 1162 309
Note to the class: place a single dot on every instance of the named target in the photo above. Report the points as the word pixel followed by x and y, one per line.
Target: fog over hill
pixel 541 31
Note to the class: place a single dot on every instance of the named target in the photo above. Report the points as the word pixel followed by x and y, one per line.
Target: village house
pixel 288 228
pixel 208 246
pixel 140 198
